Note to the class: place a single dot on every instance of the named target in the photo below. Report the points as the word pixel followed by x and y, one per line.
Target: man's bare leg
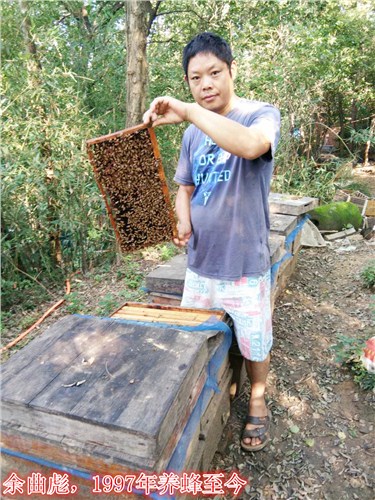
pixel 257 372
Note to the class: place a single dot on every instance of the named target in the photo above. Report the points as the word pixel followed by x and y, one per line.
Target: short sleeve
pixel 184 169
pixel 268 118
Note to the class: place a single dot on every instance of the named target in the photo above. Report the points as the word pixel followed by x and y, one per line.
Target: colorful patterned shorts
pixel 248 303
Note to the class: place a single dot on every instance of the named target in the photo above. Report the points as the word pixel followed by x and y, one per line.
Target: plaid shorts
pixel 248 303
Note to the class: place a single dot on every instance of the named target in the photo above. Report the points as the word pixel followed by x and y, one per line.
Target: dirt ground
pixel 323 443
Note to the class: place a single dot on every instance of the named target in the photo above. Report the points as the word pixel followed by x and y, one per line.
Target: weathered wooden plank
pixel 38 347
pixel 296 243
pixel 111 441
pixel 340 234
pixel 287 204
pixel 167 309
pixel 165 299
pixel 277 250
pixel 67 453
pixel 39 364
pixel 169 277
pixel 282 224
pixel 107 443
pixel 149 369
pixel 24 469
pixel 156 313
pixel 177 322
pixel 370 208
pixel 207 436
pixel 162 315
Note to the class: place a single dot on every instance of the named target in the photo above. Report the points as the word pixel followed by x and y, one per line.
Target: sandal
pixel 260 432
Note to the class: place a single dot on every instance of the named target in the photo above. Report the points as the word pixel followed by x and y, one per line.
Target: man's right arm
pixel 184 228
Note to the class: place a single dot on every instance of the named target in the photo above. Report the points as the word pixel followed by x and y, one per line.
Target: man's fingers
pixel 147 118
pixel 178 243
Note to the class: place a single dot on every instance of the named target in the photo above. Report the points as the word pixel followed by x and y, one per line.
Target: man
pixel 224 176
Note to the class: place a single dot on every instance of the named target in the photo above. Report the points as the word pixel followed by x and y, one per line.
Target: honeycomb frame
pixel 129 172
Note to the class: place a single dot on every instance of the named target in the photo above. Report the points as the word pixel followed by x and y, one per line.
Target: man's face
pixel 211 83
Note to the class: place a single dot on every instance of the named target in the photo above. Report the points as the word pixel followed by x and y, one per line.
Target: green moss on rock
pixel 336 216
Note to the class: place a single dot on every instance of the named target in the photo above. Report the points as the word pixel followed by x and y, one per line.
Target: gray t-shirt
pixel 229 206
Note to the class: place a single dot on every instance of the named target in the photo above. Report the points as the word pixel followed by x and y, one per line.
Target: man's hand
pixel 166 111
pixel 184 232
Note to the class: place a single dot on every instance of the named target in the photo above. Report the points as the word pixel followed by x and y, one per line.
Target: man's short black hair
pixel 207 43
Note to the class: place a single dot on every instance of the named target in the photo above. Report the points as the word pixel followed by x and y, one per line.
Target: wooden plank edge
pixel 163 181
pixel 119 133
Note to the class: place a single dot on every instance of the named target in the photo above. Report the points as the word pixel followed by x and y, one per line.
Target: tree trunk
pixel 137 28
pixel 341 114
pixel 368 143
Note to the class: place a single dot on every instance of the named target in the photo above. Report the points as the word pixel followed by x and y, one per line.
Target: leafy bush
pixel 107 305
pixel 348 353
pixel 368 275
pixel 304 177
pixel 131 273
pixel 168 251
pixel 73 304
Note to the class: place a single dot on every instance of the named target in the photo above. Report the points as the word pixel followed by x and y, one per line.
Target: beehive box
pixel 199 441
pixel 177 316
pixel 130 176
pixel 109 395
pixel 168 278
pixel 282 203
pixel 282 224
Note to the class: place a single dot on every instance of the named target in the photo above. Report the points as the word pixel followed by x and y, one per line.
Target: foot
pixel 256 433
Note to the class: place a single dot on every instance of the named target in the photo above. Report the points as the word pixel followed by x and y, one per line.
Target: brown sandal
pixel 260 432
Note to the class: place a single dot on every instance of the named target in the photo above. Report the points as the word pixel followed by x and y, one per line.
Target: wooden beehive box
pixel 282 203
pixel 200 440
pixel 130 176
pixel 156 313
pixel 282 224
pixel 107 395
pixel 168 278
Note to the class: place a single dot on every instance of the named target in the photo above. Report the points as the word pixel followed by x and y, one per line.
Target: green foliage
pixel 107 305
pixel 356 186
pixel 131 273
pixel 361 137
pixel 167 251
pixel 368 275
pixel 348 352
pixel 305 178
pixel 73 303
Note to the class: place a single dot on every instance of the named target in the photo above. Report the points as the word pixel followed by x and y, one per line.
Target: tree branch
pixel 153 13
pixel 181 12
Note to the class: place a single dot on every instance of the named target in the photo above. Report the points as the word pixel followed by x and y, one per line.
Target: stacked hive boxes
pixel 288 216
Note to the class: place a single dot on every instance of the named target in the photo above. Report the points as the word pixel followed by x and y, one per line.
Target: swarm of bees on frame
pixel 128 170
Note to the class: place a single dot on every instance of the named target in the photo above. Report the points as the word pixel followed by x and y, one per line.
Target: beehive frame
pixel 129 173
